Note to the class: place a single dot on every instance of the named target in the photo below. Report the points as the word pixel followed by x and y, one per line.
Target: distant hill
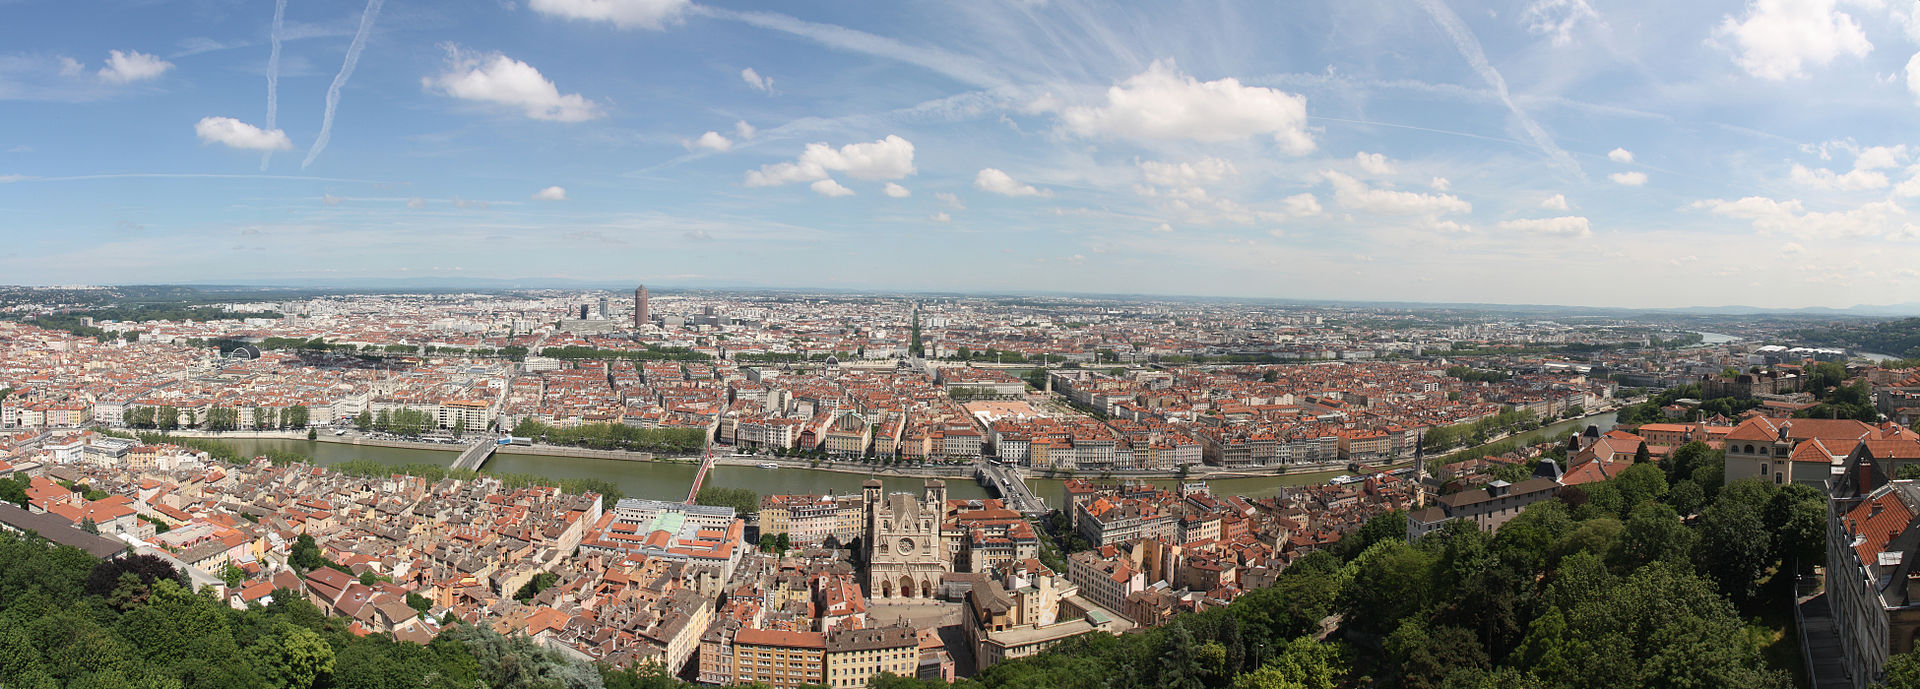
pixel 1897 338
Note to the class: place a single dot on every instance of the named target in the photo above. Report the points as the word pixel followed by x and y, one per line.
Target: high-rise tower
pixel 639 307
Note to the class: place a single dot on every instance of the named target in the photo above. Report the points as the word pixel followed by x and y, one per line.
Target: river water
pixel 669 481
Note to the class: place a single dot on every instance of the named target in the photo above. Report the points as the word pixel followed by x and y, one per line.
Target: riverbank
pixel 319 438
pixel 964 471
pixel 587 453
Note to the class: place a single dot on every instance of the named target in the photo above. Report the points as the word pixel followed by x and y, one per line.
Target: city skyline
pixel 1543 152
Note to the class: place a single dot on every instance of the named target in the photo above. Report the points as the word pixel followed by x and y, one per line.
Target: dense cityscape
pixel 994 344
pixel 1014 474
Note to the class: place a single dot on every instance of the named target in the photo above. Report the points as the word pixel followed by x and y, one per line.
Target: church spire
pixel 1420 471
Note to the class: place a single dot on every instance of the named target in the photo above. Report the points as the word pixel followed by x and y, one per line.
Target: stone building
pixel 904 543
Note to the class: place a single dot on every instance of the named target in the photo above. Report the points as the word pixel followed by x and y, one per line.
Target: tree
pixel 460 427
pixel 1653 533
pixel 1903 671
pixel 1640 454
pixel 13 491
pixel 742 500
pixel 306 554
pixel 1686 498
pixel 1392 581
pixel 293 657
pixel 233 576
pixel 1443 651
pixel 87 525
pixel 1180 666
pixel 312 434
pixel 1733 548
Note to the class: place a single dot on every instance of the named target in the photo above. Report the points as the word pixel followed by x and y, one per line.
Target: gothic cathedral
pixel 904 548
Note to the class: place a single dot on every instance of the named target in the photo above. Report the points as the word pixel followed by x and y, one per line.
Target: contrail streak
pixel 340 80
pixel 273 73
pixel 1469 47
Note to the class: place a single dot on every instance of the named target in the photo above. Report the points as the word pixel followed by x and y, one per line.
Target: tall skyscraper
pixel 639 307
pixel 603 308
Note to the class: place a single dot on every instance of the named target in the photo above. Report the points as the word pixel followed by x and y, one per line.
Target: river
pixel 669 481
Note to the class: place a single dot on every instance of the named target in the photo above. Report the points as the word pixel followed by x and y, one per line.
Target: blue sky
pixel 1534 151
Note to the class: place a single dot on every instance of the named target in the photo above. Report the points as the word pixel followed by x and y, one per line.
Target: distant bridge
pixel 476 455
pixel 1004 481
pixel 706 462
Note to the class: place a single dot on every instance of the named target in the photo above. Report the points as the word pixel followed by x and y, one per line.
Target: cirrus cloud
pixel 625 14
pixel 1564 226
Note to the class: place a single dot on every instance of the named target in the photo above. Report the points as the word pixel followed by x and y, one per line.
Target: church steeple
pixel 1420 472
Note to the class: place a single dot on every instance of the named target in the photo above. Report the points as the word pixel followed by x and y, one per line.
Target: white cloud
pixel 1792 248
pixel 330 199
pixel 1302 205
pixel 1879 157
pixel 711 141
pixel 951 199
pixel 896 191
pixel 1791 217
pixel 1202 171
pixel 1162 103
pixel 1564 226
pixel 550 194
pixel 1620 155
pixel 1911 187
pixel 1913 76
pixel 743 130
pixel 1631 179
pixel 626 14
pixel 416 203
pixel 828 187
pixel 940 217
pixel 1556 202
pixel 1557 18
pixel 1778 39
pixel 70 67
pixel 499 79
pixel 993 180
pixel 888 158
pixel 1355 194
pixel 129 67
pixel 1163 227
pixel 1447 227
pixel 237 134
pixel 1440 184
pixel 1827 180
pixel 759 83
pixel 1373 163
